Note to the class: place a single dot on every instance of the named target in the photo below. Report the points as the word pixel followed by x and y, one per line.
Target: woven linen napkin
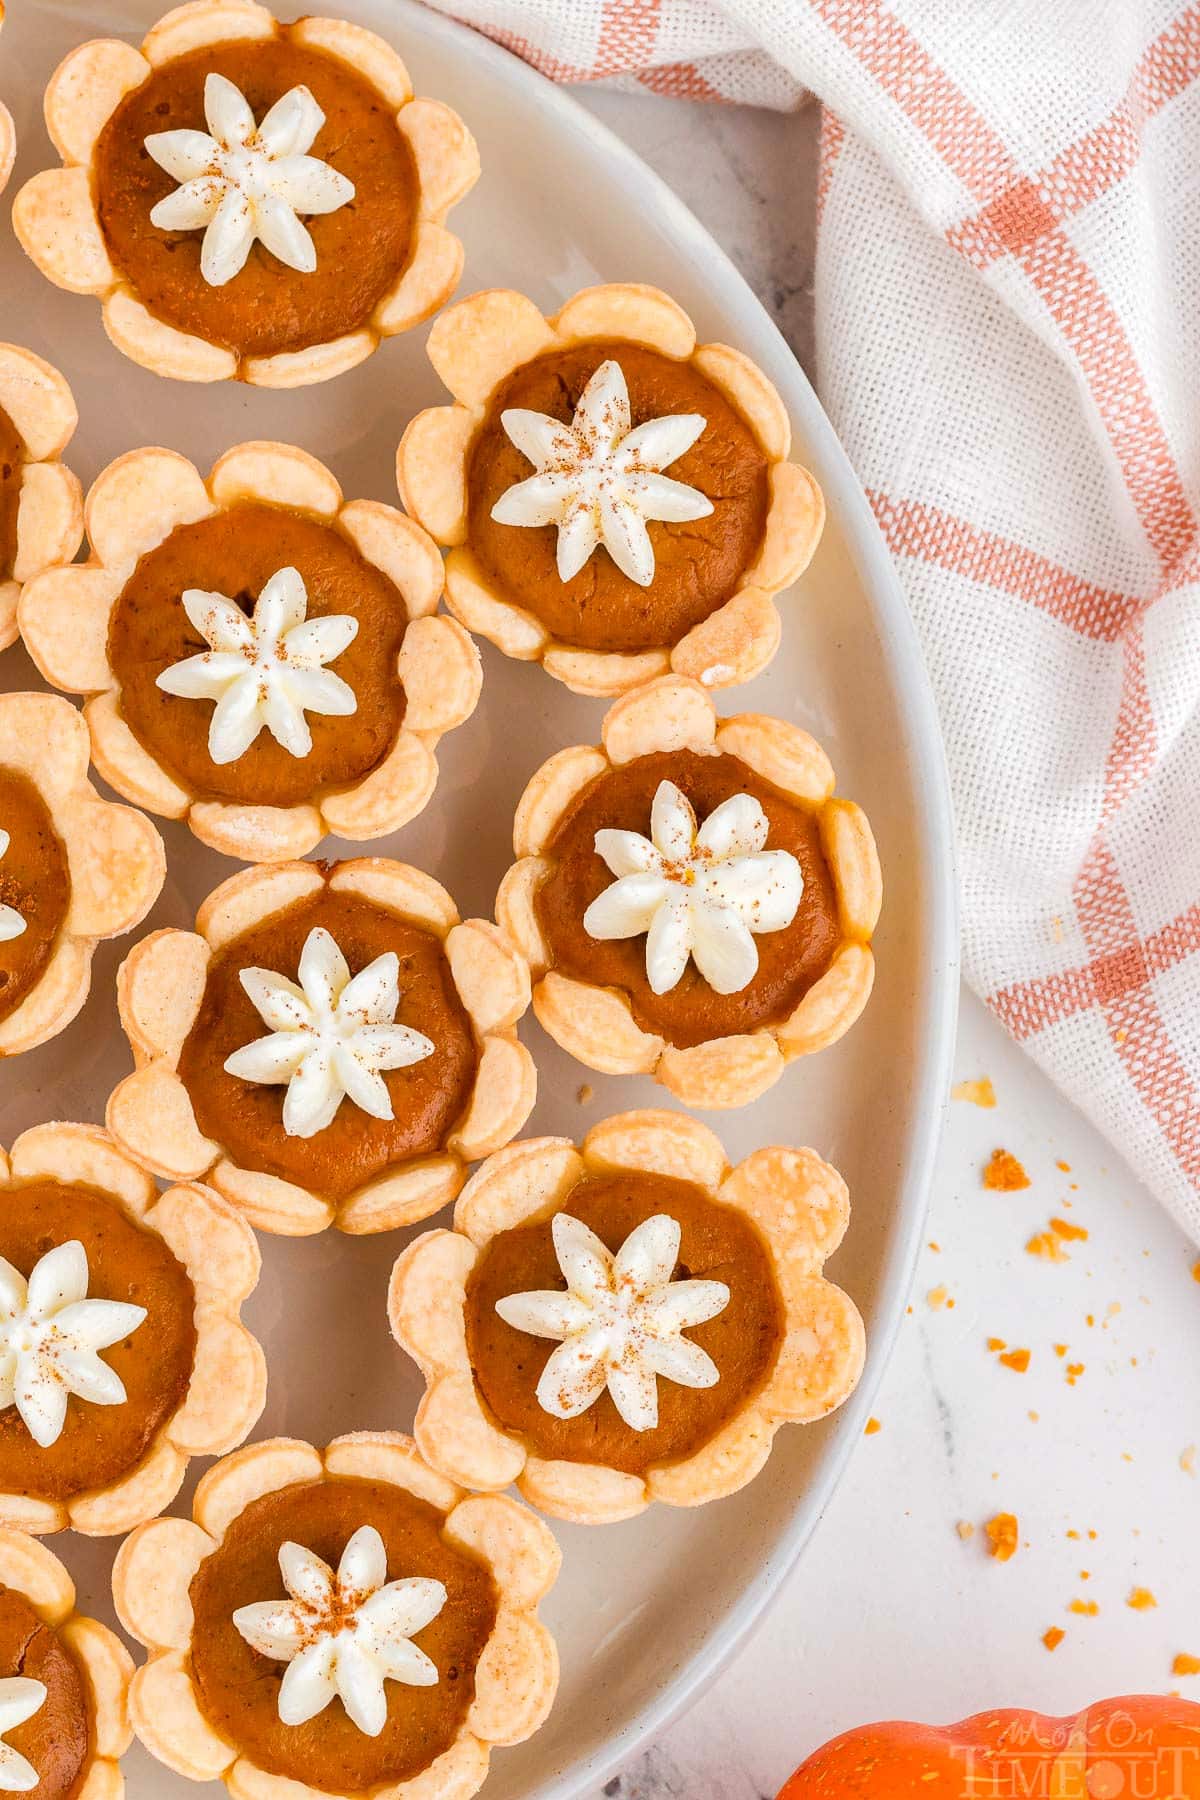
pixel 1008 326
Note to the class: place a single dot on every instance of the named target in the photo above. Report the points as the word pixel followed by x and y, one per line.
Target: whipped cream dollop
pixel 20 1698
pixel 700 892
pixel 12 924
pixel 620 1321
pixel 599 480
pixel 240 181
pixel 330 1035
pixel 344 1634
pixel 50 1338
pixel 266 670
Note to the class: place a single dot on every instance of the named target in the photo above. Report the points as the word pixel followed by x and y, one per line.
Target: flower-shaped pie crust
pixel 596 1024
pixel 114 856
pixel 159 991
pixel 32 1570
pixel 49 521
pixel 134 506
pixel 475 347
pixel 800 1208
pixel 8 135
pixel 228 1383
pixel 516 1676
pixel 56 219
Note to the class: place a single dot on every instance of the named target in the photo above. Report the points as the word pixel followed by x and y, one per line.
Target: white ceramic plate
pixel 645 1612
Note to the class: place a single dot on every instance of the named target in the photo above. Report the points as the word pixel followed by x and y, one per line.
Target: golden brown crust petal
pixel 151 1579
pixel 830 1007
pixel 160 986
pixel 517 1184
pixel 522 1553
pixel 629 310
pixel 277 474
pixel 319 362
pixel 246 1781
pixel 396 544
pixel 490 974
pixel 270 1204
pixel 431 470
pixel 200 22
pixel 391 1456
pixel 476 343
pixel 725 1464
pixel 456 1774
pixel 10 594
pixel 724 1072
pixel 582 1493
pixel 138 500
pixel 49 519
pixel 366 53
pixel 21 1512
pixel 799 1203
pixel 228 1389
pixel 8 146
pixel 103 1781
pixel 44 737
pixel 399 887
pixel 515 912
pixel 410 1193
pixel 54 1002
pixel 244 900
pixel 661 1143
pixel 516 1679
pixel 733 644
pixel 146 1490
pixel 671 713
pixel 117 863
pixel 229 1486
pixel 39 402
pixel 426 1295
pixel 56 225
pixel 152 344
pixel 84 92
pixel 126 766
pixel 214 1243
pixel 501 1101
pixel 603 673
pixel 781 753
pixel 442 675
pixel 849 846
pixel 821 1358
pixel 472 600
pixel 168 1720
pixel 458 1440
pixel 392 794
pixel 35 1571
pixel 107 1669
pixel 748 389
pixel 257 834
pixel 595 1025
pixel 82 1154
pixel 549 793
pixel 795 521
pixel 446 155
pixel 433 272
pixel 150 1115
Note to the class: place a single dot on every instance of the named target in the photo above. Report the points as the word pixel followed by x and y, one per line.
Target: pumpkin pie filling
pixel 236 553
pixel 238 1686
pixel 691 1012
pixel 56 1740
pixel 35 881
pixel 100 1443
pixel 267 308
pixel 427 1097
pixel 717 1243
pixel 12 465
pixel 698 565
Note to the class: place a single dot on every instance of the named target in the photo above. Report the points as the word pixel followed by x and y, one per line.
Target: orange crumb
pixel 1063 1228
pixel 1185 1664
pixel 1074 1371
pixel 995 1344
pixel 585 1094
pixel 1091 1318
pixel 937 1297
pixel 1057 927
pixel 1035 1416
pixel 965 1529
pixel 871 1427
pixel 951 1303
pixel 1060 1349
pixel 1196 1271
pixel 1047 1245
pixel 1016 1359
pixel 1125 1456
pixel 1004 1174
pixel 977 1093
pixel 1054 1637
pixel 1002 1536
pixel 934 1247
pixel 1085 1574
pixel 1120 1036
pixel 1073 1534
pixel 1064 1166
pixel 1092 1536
pixel 1141 1599
pixel 1187 1460
pixel 1087 1608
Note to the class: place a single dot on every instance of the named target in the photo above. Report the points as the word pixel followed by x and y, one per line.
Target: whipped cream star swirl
pixel 267 670
pixel 330 1035
pixel 11 922
pixel 599 480
pixel 247 181
pixel 50 1338
pixel 344 1634
pixel 20 1698
pixel 620 1321
pixel 696 892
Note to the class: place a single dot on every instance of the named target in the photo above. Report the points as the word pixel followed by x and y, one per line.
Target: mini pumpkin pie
pixel 73 868
pixel 617 498
pixel 247 198
pixel 41 502
pixel 331 1045
pixel 693 900
pixel 627 1321
pixel 64 1683
pixel 121 1350
pixel 263 658
pixel 343 1621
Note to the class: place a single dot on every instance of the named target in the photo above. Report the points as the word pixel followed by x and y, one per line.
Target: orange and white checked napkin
pixel 1008 331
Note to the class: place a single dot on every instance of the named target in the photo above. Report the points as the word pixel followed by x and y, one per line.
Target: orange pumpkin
pixel 1144 1747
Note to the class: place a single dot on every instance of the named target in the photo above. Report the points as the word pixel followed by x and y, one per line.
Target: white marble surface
pixel 891 1613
